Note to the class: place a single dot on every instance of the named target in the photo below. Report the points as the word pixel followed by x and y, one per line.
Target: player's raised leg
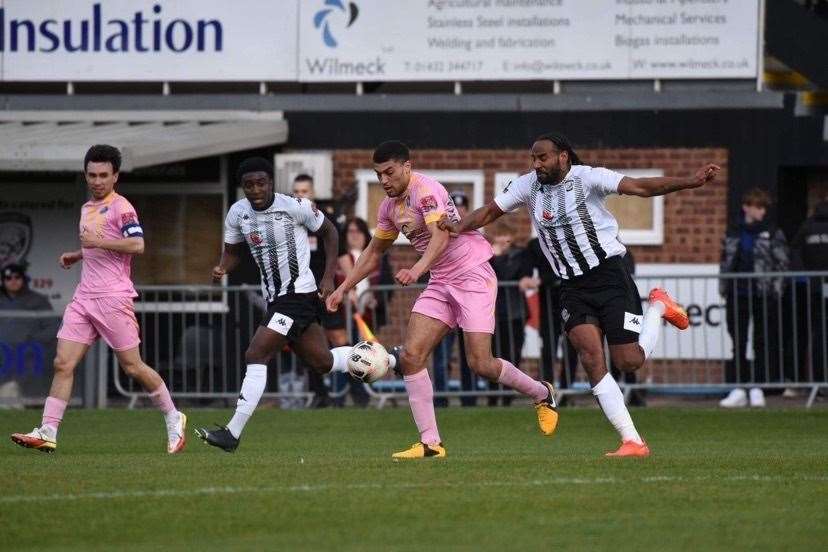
pixel 133 366
pixel 484 364
pixel 422 335
pixel 312 348
pixel 44 438
pixel 589 342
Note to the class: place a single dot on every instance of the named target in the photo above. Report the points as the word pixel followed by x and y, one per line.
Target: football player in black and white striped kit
pixel 579 237
pixel 275 227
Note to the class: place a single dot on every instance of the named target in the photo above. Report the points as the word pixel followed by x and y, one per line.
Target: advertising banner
pixel 376 40
pixel 433 40
pixel 148 40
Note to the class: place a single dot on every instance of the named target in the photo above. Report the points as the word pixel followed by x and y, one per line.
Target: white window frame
pixel 176 188
pixel 501 179
pixel 364 177
pixel 655 234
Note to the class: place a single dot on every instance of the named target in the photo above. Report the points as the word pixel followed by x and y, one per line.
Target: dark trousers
pixel 763 310
pixel 551 331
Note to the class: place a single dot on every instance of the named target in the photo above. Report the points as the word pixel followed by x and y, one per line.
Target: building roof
pixel 57 140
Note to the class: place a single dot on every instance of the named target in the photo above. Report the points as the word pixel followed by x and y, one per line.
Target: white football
pixel 368 361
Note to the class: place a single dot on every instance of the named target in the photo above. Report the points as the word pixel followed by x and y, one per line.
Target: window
pixel 371 194
pixel 183 230
pixel 640 219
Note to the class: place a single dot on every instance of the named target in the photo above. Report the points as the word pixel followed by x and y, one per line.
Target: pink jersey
pixel 426 201
pixel 108 273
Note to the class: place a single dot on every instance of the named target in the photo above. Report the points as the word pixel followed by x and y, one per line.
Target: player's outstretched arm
pixel 367 263
pixel 230 257
pixel 474 220
pixel 436 245
pixel 661 185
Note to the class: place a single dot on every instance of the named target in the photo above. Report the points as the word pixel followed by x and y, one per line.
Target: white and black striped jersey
pixel 575 230
pixel 278 241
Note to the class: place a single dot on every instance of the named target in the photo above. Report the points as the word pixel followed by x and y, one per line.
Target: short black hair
pixel 392 150
pixel 254 164
pixel 103 153
pixel 563 144
pixel 303 178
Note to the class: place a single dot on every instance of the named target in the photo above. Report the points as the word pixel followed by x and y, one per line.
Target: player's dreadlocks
pixel 562 143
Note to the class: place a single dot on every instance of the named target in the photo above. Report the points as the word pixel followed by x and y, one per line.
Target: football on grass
pixel 368 361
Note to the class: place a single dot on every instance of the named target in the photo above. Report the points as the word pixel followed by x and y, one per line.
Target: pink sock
pixel 517 380
pixel 161 399
pixel 421 399
pixel 53 412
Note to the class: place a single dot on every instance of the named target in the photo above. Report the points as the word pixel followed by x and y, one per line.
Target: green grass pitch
pixel 323 480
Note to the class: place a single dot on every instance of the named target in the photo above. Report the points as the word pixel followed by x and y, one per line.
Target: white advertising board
pixel 377 40
pixel 148 40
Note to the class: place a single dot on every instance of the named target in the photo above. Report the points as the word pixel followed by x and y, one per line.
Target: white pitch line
pixel 206 491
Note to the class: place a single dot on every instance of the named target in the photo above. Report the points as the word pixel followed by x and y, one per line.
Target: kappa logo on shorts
pixel 632 322
pixel 280 323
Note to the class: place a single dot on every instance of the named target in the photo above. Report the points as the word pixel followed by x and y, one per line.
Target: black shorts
pixel 607 297
pixel 291 314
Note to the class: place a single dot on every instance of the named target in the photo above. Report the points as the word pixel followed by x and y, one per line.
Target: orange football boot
pixel 631 448
pixel 673 312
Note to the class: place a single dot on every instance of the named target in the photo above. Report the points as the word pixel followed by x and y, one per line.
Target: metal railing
pixel 746 330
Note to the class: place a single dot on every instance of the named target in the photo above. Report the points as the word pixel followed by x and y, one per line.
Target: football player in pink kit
pixel 461 292
pixel 110 235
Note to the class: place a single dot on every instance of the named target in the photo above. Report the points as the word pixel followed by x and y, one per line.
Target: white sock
pixel 255 381
pixel 651 328
pixel 340 358
pixel 171 418
pixel 612 403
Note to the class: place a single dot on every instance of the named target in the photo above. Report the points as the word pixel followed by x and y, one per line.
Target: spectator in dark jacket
pixel 753 245
pixel 36 336
pixel 510 264
pixel 809 250
pixel 551 325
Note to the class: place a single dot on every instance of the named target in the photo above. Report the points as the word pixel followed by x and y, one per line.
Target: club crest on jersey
pixel 255 238
pixel 103 210
pixel 277 216
pixel 428 203
pixel 548 215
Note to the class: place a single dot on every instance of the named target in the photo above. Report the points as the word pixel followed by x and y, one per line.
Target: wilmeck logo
pixel 333 66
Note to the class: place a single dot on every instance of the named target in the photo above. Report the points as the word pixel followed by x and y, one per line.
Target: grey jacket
pixel 19 330
pixel 770 254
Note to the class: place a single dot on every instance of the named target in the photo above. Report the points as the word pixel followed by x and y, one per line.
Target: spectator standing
pixel 510 264
pixel 551 323
pixel 333 323
pixel 810 252
pixel 442 353
pixel 753 245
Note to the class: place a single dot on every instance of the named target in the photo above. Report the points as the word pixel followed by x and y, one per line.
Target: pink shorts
pixel 112 318
pixel 467 301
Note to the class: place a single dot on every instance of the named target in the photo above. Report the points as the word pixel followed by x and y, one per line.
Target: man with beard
pixel 579 237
